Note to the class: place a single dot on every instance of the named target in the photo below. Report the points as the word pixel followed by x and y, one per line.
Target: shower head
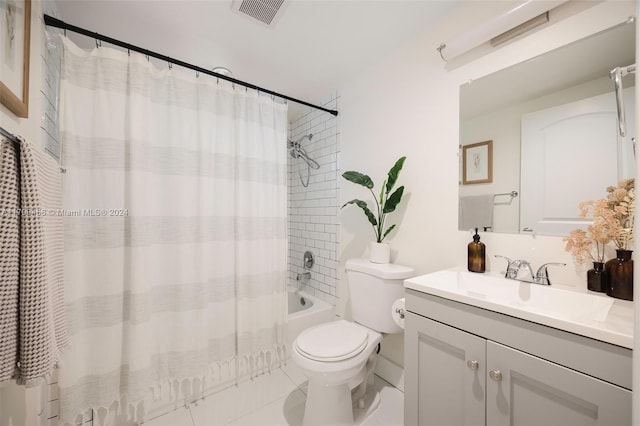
pixel 299 141
pixel 295 147
pixel 297 151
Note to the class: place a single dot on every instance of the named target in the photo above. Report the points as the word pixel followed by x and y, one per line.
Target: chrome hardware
pixel 400 312
pixel 511 272
pixel 473 364
pixel 308 260
pixel 616 75
pixel 518 264
pixel 513 267
pixel 495 375
pixel 305 276
pixel 542 276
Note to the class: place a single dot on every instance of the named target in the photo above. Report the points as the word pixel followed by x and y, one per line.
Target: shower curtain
pixel 175 232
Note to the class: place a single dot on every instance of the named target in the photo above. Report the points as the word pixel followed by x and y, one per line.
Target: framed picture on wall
pixel 477 163
pixel 15 37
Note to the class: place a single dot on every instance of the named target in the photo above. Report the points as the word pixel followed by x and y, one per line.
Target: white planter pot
pixel 379 252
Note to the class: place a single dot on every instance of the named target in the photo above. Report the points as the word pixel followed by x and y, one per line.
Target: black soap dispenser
pixel 475 254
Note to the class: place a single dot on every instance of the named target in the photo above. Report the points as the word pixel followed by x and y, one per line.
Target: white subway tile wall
pixel 313 210
pixel 50 90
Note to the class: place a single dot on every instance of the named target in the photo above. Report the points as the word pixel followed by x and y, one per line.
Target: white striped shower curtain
pixel 175 232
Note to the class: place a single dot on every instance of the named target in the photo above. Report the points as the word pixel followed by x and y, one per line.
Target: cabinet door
pixel 445 384
pixel 531 391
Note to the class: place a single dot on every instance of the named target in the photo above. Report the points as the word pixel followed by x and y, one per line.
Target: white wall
pixel 313 210
pixel 20 406
pixel 408 105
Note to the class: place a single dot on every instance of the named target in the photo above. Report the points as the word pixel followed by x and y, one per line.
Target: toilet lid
pixel 333 341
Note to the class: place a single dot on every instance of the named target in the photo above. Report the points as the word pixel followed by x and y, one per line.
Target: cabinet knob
pixel 495 375
pixel 473 364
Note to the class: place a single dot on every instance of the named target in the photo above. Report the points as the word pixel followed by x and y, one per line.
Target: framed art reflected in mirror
pixel 15 36
pixel 477 162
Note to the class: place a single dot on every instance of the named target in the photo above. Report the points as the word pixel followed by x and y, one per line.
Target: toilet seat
pixel 333 341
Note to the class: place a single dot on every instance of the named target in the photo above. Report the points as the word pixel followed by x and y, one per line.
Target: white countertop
pixel 582 312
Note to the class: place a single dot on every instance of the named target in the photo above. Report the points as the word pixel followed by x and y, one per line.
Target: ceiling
pixel 314 48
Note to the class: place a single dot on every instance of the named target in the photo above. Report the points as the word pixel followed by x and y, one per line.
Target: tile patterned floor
pixel 272 399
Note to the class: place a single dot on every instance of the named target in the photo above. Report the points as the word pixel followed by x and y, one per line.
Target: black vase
pixel 620 272
pixel 597 278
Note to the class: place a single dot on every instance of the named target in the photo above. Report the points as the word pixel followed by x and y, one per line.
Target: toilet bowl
pixel 339 357
pixel 334 370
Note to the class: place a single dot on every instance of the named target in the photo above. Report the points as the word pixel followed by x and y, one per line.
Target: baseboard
pixel 391 372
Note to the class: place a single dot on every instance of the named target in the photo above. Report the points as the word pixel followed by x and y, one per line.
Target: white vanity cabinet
pixel 466 365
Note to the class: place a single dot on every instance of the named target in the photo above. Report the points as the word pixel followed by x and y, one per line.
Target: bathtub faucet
pixel 304 277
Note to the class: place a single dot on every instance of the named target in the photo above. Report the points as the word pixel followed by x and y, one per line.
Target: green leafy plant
pixel 385 204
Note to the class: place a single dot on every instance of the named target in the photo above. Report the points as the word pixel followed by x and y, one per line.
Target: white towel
pixel 475 211
pixel 36 332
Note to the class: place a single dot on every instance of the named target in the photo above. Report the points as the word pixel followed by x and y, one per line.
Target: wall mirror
pixel 553 125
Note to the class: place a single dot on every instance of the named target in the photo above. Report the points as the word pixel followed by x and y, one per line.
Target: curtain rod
pixel 57 23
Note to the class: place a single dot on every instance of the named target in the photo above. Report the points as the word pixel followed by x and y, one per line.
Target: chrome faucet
pixel 512 269
pixel 305 276
pixel 519 264
pixel 541 276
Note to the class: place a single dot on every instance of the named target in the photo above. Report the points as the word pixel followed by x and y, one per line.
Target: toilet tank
pixel 373 287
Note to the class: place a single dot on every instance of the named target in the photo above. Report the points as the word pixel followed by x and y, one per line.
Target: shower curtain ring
pixel 170 65
pixel 98 43
pixel 197 74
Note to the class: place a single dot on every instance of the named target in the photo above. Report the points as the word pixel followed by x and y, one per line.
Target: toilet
pixel 339 357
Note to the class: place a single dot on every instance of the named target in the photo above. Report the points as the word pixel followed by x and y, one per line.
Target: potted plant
pixel 386 203
pixel 613 221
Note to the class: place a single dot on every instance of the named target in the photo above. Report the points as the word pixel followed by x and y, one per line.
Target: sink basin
pixel 588 314
pixel 491 292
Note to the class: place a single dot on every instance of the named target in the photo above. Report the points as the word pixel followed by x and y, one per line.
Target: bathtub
pixel 304 311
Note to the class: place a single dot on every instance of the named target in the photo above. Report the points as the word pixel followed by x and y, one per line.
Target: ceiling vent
pixel 266 11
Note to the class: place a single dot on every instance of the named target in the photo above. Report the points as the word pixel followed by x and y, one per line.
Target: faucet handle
pixel 512 270
pixel 542 276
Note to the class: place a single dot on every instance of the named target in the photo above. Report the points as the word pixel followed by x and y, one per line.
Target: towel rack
pixel 513 194
pixel 9 135
pixel 13 138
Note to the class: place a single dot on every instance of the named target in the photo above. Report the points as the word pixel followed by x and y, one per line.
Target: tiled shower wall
pixel 313 210
pixel 51 63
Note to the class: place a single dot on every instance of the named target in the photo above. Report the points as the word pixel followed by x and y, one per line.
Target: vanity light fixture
pixel 520 29
pixel 501 28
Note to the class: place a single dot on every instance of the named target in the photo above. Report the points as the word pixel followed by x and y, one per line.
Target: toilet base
pixel 342 412
pixel 319 397
pixel 371 404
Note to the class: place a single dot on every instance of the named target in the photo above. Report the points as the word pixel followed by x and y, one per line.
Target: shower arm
pixel 616 75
